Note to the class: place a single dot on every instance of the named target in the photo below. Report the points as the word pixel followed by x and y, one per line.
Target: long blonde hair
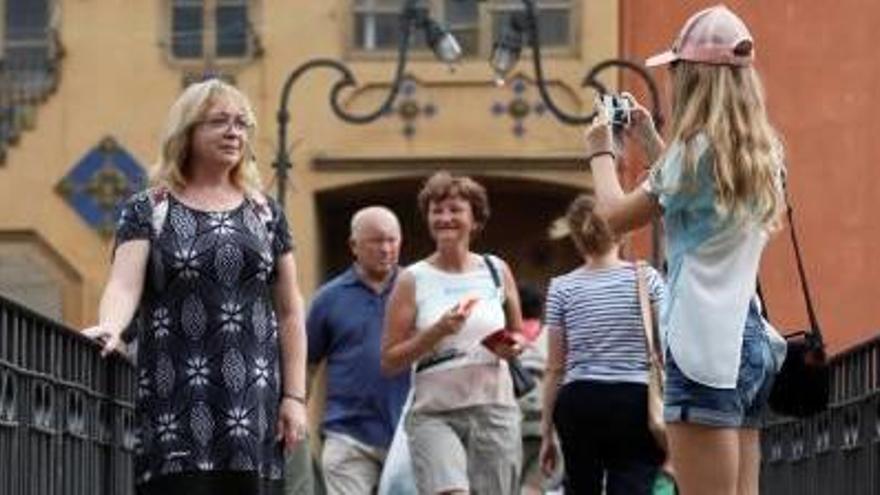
pixel 726 104
pixel 189 109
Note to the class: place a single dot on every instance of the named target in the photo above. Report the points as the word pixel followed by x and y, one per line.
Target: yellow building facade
pixel 118 65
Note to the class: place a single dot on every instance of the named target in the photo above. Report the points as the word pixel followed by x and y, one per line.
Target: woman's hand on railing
pixel 109 339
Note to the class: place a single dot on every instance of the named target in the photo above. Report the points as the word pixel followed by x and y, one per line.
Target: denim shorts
pixel 687 401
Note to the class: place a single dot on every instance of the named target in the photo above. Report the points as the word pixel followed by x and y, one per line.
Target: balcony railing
pixel 67 420
pixel 838 451
pixel 66 414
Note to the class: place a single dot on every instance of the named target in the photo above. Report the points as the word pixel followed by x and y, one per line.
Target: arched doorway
pixel 522 212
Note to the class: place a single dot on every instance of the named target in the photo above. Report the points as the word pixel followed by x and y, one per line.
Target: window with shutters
pixel 211 31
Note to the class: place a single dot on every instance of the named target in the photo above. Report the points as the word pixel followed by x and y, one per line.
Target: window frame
pixel 485 33
pixel 570 49
pixel 210 43
pixel 49 41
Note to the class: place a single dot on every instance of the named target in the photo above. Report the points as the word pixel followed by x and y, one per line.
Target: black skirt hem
pixel 211 483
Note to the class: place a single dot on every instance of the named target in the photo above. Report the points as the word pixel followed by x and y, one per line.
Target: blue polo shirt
pixel 344 326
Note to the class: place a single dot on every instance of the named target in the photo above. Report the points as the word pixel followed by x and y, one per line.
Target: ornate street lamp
pixel 443 44
pixel 522 30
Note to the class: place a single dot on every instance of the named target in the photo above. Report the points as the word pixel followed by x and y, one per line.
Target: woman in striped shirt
pixel 597 355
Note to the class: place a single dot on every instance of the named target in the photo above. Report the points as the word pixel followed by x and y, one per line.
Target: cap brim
pixel 662 59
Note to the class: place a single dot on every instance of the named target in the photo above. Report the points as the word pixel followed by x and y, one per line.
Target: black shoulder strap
pixel 496 279
pixel 808 300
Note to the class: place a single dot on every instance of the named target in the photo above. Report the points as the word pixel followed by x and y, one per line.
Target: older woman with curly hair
pixel 463 425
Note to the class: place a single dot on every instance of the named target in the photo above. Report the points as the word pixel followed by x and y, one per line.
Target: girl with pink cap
pixel 717 187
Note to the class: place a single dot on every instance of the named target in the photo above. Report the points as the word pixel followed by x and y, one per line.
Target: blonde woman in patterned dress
pixel 204 261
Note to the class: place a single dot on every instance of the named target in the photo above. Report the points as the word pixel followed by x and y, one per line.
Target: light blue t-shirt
pixel 712 267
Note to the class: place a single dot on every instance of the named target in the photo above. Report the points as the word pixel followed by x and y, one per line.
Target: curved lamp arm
pixel 591 79
pixel 282 164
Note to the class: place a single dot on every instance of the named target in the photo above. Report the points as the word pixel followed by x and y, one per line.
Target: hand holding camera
pixel 625 116
pixel 598 137
pixel 617 110
pixel 641 127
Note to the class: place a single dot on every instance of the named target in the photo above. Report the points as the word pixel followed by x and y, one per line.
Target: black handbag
pixel 523 381
pixel 802 387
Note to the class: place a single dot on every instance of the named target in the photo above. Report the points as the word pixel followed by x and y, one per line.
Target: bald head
pixel 375 241
pixel 372 218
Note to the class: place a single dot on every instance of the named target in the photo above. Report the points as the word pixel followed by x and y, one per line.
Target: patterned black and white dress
pixel 208 371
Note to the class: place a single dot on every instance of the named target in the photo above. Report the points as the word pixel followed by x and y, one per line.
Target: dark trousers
pixel 603 431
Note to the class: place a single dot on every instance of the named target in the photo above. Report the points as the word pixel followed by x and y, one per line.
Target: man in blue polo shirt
pixel 345 327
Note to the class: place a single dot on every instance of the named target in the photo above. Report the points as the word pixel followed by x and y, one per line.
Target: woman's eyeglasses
pixel 222 123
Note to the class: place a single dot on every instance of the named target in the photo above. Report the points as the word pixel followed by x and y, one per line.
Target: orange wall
pixel 822 76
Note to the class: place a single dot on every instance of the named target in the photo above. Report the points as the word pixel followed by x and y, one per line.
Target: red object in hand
pixel 501 337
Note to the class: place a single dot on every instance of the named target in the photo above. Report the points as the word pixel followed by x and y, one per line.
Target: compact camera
pixel 618 110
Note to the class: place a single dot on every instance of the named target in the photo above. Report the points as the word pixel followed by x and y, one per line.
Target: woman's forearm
pixel 606 183
pixel 653 145
pixel 122 295
pixel 556 356
pixel 292 340
pixel 552 378
pixel 406 352
pixel 624 212
pixel 118 305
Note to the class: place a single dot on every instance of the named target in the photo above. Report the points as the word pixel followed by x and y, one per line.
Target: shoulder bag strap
pixel 496 279
pixel 654 357
pixel 808 300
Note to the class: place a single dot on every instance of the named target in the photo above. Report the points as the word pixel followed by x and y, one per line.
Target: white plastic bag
pixel 397 473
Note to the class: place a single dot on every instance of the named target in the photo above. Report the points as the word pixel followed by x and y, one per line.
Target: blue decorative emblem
pixel 409 109
pixel 519 108
pixel 99 182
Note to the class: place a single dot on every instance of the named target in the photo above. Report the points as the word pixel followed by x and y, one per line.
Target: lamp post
pixel 523 29
pixel 445 48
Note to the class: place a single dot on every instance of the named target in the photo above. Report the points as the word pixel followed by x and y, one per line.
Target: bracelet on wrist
pixel 294 397
pixel 597 154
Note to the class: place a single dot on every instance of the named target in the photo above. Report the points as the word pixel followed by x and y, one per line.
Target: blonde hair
pixel 189 109
pixel 590 232
pixel 726 104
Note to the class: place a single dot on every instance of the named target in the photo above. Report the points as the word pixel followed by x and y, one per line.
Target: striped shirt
pixel 598 313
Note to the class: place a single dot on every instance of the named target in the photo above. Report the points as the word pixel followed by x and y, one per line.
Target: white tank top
pixel 479 377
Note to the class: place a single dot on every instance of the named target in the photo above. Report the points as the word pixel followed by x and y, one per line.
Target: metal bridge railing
pixel 67 420
pixel 838 451
pixel 66 414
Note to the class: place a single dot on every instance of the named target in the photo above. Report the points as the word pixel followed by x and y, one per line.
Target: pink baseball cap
pixel 712 36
